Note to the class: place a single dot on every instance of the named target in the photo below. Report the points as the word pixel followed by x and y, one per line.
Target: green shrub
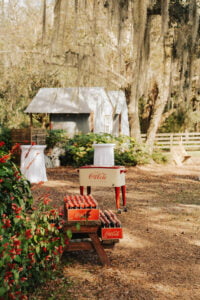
pixel 79 150
pixel 159 157
pixel 5 136
pixel 56 137
pixel 31 240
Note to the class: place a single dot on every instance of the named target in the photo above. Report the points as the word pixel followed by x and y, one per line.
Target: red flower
pixel 59 227
pixel 7 223
pixel 31 257
pixel 23 279
pixel 16 242
pixel 48 257
pixel 12 251
pixel 4 158
pixel 15 147
pixel 8 275
pixel 16 208
pixel 18 217
pixel 11 296
pixel 53 239
pixel 2 144
pixel 46 201
pixel 23 297
pixel 28 234
pixel 1 180
pixel 18 251
pixel 61 212
pixel 37 231
pixel 53 212
pixel 60 249
pixel 17 175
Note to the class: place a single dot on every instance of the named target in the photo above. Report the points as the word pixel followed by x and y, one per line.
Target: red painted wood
pixel 123 189
pixel 117 196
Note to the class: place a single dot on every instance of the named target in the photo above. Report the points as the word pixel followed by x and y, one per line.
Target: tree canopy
pixel 148 48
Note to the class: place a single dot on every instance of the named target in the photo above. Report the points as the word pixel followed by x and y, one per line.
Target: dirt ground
pixel 159 255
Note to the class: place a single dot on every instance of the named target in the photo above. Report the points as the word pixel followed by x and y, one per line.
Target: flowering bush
pixel 79 149
pixel 31 240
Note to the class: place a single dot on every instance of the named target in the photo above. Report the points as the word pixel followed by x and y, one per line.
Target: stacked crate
pixel 81 208
pixel 85 208
pixel 110 226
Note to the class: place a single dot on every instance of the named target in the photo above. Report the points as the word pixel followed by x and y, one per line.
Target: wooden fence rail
pixel 165 141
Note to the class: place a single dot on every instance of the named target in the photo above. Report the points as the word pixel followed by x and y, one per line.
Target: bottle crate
pixel 110 226
pixel 81 208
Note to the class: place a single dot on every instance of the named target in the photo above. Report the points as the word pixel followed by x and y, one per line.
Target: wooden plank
pixel 82 229
pixel 189 140
pixel 76 246
pixel 99 249
pixel 95 243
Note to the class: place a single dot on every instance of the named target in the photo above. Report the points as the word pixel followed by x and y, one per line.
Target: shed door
pixel 72 123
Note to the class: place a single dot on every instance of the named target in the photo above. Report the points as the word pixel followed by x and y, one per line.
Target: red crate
pixel 111 233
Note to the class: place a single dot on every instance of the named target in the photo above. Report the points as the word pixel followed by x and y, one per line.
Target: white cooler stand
pixel 33 163
pixel 113 176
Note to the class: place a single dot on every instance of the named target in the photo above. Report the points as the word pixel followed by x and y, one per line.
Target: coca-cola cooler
pixel 113 176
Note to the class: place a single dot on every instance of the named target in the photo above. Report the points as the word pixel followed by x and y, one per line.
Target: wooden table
pixel 89 231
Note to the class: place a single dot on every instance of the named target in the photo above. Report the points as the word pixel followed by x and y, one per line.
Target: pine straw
pixel 158 258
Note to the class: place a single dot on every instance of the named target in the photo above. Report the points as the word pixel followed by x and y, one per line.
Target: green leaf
pixel 35 238
pixel 69 233
pixel 16 275
pixel 78 226
pixel 2 291
pixel 18 259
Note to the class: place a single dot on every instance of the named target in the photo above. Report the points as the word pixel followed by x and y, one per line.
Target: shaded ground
pixel 159 256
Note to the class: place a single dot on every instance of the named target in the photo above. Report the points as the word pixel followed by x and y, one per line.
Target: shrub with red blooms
pixel 31 240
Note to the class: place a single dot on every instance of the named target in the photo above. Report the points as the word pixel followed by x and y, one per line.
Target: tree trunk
pixel 139 67
pixel 133 115
pixel 44 22
pixel 60 15
pixel 154 124
pixel 161 101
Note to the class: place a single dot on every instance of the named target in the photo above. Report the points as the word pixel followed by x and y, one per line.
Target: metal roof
pixel 66 100
pixel 77 100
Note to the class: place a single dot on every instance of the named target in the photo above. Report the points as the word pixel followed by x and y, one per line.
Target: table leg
pixel 81 190
pixel 117 197
pixel 99 249
pixel 88 190
pixel 123 189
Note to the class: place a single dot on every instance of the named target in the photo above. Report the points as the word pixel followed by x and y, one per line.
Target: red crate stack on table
pixel 85 208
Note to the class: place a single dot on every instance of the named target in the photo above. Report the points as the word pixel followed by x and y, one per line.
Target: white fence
pixel 165 141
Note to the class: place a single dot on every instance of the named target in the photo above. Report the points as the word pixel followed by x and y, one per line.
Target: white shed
pixel 82 109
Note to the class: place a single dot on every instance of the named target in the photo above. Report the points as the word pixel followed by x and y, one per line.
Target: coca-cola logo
pixel 97 176
pixel 82 214
pixel 112 234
